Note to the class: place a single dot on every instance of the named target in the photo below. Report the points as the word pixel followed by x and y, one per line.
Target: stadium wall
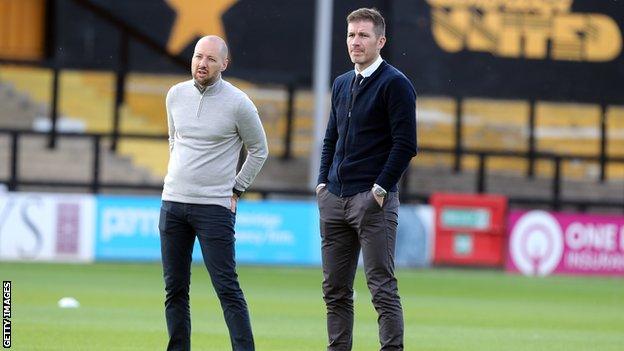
pixel 508 49
pixel 87 228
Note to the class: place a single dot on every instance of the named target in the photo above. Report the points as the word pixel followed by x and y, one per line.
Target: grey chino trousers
pixel 348 225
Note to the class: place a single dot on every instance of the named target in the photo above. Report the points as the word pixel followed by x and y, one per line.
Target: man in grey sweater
pixel 209 122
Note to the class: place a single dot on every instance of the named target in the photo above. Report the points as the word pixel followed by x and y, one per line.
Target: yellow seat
pixel 487 124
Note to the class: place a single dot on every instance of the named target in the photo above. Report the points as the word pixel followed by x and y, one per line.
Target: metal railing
pixel 95 185
pixel 554 199
pixel 532 152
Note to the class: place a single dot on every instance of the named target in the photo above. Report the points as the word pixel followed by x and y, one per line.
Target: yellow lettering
pixel 523 28
pixel 569 37
pixel 536 35
pixel 483 34
pixel 449 28
pixel 510 39
pixel 604 40
pixel 534 6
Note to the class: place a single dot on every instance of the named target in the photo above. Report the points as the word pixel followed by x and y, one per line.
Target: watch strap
pixel 237 192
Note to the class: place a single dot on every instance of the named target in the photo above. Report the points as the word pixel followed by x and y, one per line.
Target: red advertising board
pixel 469 229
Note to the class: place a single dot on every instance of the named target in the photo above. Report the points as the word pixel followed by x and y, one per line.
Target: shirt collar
pixel 208 88
pixel 368 71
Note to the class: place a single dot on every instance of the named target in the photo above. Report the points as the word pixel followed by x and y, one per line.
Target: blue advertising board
pixel 267 232
pixel 278 232
pixel 127 228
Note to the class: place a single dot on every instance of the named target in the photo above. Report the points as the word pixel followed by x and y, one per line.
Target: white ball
pixel 68 302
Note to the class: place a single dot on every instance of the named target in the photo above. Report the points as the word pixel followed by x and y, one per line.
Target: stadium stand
pixel 87 98
pixel 24 107
pixel 451 161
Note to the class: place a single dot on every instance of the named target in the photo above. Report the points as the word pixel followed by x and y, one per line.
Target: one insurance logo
pixel 536 243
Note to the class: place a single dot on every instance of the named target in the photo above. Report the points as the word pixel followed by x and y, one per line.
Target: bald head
pixel 213 41
pixel 209 60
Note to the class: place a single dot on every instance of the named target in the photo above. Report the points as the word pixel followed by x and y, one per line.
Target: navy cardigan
pixel 374 140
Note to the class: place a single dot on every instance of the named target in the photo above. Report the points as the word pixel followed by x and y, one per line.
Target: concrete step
pixel 71 160
pixel 17 111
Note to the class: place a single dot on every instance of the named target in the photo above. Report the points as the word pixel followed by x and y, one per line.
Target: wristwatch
pixel 237 192
pixel 319 187
pixel 379 191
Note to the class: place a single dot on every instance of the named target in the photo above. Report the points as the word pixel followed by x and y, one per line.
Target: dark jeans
pixel 214 227
pixel 349 224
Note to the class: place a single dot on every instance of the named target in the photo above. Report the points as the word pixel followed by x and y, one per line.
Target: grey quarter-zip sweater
pixel 207 129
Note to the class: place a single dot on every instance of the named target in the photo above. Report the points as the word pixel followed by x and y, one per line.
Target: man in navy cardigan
pixel 369 142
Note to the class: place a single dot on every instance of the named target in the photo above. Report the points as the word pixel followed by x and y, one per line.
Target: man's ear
pixel 381 42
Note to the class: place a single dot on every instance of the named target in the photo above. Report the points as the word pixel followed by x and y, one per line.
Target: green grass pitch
pixel 445 309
